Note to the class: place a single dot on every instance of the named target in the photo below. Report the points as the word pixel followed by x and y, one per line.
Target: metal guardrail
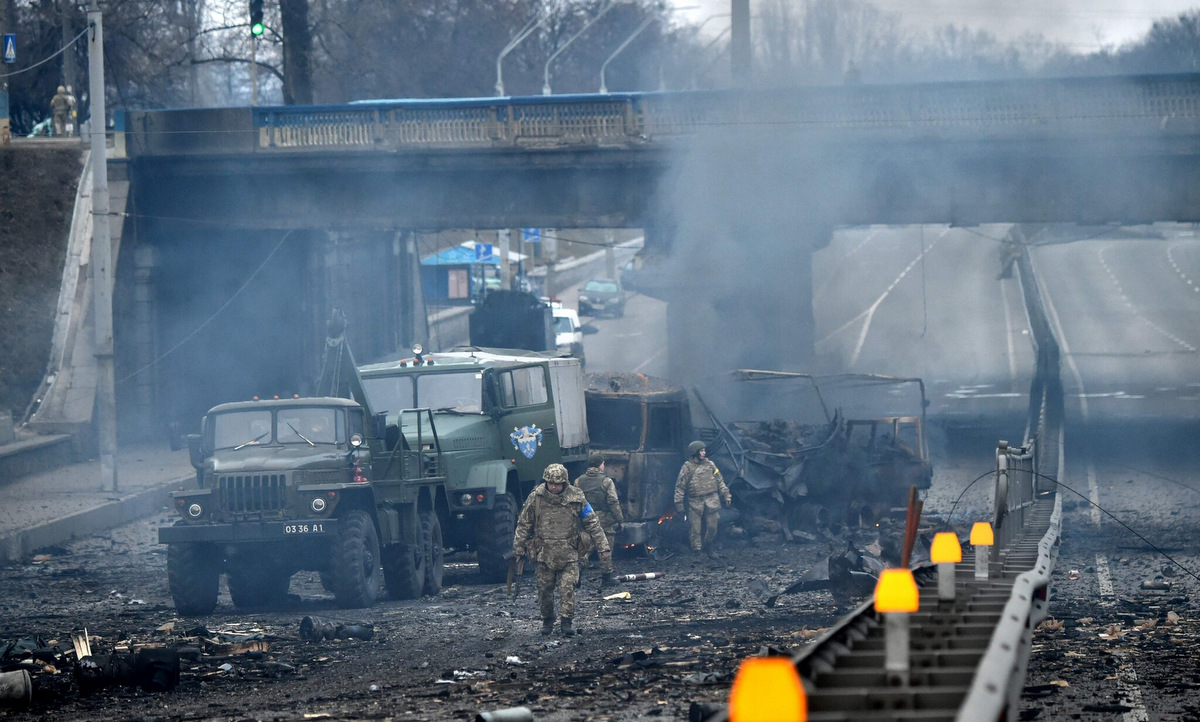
pixel 1161 106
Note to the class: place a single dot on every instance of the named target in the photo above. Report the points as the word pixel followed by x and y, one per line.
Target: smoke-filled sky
pixel 1084 25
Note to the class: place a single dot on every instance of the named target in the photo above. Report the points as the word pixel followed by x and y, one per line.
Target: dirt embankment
pixel 37 196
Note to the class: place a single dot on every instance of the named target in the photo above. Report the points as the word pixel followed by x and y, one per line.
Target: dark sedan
pixel 602 296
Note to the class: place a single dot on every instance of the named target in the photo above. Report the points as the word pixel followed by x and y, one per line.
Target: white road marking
pixel 1133 309
pixel 1064 349
pixel 1103 578
pixel 1127 682
pixel 869 313
pixel 1093 492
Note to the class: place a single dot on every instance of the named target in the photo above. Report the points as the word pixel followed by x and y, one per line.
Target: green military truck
pixel 328 485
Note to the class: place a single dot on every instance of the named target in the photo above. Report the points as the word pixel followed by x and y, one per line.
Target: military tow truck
pixel 328 484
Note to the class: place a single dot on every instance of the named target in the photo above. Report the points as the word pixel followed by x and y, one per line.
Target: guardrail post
pixel 982 538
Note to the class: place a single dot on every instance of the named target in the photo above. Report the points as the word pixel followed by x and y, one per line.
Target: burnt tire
pixel 495 539
pixel 194 577
pixel 255 586
pixel 431 546
pixel 354 567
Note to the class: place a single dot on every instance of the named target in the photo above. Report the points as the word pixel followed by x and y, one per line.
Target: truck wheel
pixel 431 543
pixel 495 539
pixel 404 570
pixel 194 576
pixel 253 586
pixel 355 563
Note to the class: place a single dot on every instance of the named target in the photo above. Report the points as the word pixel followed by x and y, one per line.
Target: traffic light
pixel 256 18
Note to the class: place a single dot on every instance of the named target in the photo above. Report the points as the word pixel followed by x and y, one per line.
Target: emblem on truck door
pixel 526 439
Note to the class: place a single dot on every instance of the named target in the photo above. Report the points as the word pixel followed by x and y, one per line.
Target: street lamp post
pixel 517 39
pixel 645 24
pixel 588 24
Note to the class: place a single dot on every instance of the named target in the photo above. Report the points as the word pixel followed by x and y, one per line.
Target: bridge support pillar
pixel 142 399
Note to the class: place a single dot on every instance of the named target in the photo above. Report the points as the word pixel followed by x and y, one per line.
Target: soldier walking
pixel 549 531
pixel 601 494
pixel 701 485
pixel 60 106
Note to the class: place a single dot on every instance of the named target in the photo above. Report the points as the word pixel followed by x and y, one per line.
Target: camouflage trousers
pixel 563 579
pixel 605 564
pixel 704 511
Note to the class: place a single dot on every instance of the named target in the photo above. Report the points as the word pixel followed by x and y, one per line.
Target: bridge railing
pixel 1162 106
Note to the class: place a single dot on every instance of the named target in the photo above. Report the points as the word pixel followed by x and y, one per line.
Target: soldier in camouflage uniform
pixel 548 530
pixel 700 483
pixel 601 493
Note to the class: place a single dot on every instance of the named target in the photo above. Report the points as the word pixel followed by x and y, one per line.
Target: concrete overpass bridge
pixel 244 225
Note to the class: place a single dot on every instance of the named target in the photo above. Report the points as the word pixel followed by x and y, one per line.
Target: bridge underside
pixel 738 215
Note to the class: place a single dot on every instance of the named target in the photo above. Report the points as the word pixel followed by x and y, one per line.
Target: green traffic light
pixel 257 29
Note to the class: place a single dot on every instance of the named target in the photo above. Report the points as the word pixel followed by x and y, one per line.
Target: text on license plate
pixel 315 528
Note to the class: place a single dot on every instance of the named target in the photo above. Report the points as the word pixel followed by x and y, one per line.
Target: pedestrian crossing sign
pixel 10 47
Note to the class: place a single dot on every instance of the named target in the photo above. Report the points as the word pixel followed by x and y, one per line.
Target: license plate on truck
pixel 309 528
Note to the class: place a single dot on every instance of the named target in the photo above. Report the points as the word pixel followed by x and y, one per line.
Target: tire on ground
pixel 354 568
pixel 404 570
pixel 495 539
pixel 431 546
pixel 194 576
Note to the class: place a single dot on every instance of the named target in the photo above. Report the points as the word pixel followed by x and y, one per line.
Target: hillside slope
pixel 37 194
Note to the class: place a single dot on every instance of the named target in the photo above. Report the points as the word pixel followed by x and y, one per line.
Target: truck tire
pixel 355 562
pixel 255 586
pixel 404 570
pixel 431 543
pixel 495 539
pixel 194 576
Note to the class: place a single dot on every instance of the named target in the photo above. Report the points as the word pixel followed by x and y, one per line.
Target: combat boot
pixel 606 580
pixel 567 629
pixel 547 626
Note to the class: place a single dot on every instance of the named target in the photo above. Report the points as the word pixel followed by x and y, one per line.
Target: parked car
pixel 601 296
pixel 568 334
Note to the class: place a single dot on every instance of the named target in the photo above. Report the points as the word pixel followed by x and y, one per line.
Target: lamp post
pixel 645 24
pixel 895 598
pixel 982 539
pixel 603 11
pixel 533 24
pixel 945 552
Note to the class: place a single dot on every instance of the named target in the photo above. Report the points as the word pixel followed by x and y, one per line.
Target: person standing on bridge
pixel 60 106
pixel 601 494
pixel 701 486
pixel 549 531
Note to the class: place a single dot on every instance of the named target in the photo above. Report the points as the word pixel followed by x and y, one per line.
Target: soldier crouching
pixel 549 530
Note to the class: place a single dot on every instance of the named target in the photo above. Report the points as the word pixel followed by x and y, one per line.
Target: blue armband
pixel 586 511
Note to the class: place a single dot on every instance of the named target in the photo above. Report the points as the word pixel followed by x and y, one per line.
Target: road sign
pixel 483 252
pixel 10 47
pixel 531 235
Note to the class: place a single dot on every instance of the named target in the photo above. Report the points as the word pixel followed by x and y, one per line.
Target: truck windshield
pixel 241 428
pixel 391 394
pixel 309 426
pixel 458 391
pixel 614 423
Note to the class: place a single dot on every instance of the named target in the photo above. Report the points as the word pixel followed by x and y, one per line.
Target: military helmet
pixel 595 459
pixel 555 474
pixel 61 89
pixel 695 447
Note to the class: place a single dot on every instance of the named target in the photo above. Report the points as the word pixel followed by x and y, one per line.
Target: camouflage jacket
pixel 698 479
pixel 601 493
pixel 549 526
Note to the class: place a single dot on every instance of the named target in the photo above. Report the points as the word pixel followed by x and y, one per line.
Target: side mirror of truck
pixel 195 451
pixel 380 427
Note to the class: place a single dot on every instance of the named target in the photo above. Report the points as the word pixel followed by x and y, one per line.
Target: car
pixel 601 296
pixel 568 333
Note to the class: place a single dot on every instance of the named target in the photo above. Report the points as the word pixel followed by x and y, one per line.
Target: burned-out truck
pixel 796 450
pixel 393 463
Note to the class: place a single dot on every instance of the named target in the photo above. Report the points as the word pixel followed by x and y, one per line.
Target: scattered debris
pixel 508 714
pixel 316 629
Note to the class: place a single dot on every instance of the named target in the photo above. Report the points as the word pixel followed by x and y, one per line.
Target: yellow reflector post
pixel 981 534
pixel 945 548
pixel 767 689
pixel 896 591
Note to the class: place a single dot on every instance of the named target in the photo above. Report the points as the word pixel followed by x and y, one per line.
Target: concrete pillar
pixel 143 399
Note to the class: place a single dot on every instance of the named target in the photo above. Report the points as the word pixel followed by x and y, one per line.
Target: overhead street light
pixel 645 24
pixel 533 24
pixel 603 11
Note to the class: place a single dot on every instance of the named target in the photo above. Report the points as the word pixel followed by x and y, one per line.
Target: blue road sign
pixel 483 252
pixel 10 47
pixel 531 235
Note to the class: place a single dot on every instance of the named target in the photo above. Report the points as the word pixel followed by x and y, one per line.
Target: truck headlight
pixel 318 504
pixel 195 511
pixel 466 499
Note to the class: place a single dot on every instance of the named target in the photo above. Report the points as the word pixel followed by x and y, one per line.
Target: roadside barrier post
pixel 982 539
pixel 945 552
pixel 896 597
